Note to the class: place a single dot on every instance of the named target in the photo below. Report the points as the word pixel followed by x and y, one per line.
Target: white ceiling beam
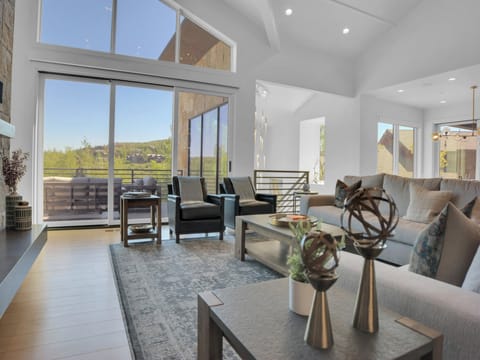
pixel 363 12
pixel 266 11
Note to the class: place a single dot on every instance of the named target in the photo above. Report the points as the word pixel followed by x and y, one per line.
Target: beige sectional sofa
pixel 400 245
pixel 453 311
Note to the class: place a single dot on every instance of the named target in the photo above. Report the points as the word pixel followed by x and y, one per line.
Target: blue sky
pixel 77 110
pixel 143 27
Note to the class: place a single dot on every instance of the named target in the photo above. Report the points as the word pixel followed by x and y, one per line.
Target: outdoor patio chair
pixel 241 199
pixel 191 209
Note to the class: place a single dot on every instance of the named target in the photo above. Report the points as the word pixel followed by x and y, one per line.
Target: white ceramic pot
pixel 300 297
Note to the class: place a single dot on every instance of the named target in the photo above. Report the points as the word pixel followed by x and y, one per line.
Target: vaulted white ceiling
pixel 318 24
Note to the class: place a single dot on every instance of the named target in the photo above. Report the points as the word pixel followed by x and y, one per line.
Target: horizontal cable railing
pixel 283 183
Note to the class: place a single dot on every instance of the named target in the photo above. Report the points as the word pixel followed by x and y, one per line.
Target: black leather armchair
pixel 191 210
pixel 241 199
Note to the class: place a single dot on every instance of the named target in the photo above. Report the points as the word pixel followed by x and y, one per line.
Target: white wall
pixel 374 110
pixel 342 126
pixel 436 37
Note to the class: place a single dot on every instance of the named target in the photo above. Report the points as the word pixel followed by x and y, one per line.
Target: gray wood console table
pixel 256 321
pixel 18 251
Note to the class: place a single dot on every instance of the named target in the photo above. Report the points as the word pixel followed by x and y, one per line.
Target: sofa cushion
pixel 445 248
pixel 463 190
pixel 472 210
pixel 191 210
pixel 398 188
pixel 472 279
pixel 342 190
pixel 407 231
pixel 251 207
pixel 425 204
pixel 332 215
pixel 368 181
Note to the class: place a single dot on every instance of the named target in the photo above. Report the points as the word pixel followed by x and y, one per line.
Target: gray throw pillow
pixel 342 190
pixel 425 204
pixel 445 248
pixel 472 279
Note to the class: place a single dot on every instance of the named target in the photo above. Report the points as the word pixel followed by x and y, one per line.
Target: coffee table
pixel 257 323
pixel 274 252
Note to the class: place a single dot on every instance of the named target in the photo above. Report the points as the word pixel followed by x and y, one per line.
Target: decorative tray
pixel 140 228
pixel 286 219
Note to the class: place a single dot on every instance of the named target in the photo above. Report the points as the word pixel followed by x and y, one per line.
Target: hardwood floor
pixel 67 308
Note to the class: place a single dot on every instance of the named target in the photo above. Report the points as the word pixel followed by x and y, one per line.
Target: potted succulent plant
pixel 300 292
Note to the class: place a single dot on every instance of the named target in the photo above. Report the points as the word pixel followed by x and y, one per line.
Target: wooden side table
pixel 154 203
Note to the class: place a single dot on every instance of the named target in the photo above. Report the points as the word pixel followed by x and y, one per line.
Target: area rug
pixel 158 287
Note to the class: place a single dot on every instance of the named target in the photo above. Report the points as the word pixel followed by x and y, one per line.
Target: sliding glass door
pixel 101 139
pixel 143 141
pixel 75 150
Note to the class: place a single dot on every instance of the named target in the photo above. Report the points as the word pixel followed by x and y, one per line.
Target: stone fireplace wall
pixel 7 16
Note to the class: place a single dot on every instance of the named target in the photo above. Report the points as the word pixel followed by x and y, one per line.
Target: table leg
pixel 159 221
pixel 209 335
pixel 436 336
pixel 124 221
pixel 121 220
pixel 240 228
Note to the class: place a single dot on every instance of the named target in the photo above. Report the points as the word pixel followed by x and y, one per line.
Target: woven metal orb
pixel 374 231
pixel 319 254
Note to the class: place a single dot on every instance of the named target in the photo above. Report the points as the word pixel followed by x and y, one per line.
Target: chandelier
pixel 446 133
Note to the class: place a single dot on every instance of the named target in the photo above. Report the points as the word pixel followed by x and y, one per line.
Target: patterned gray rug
pixel 158 287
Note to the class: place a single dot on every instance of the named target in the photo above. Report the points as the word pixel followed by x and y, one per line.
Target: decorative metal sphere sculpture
pixel 319 254
pixel 369 243
pixel 376 230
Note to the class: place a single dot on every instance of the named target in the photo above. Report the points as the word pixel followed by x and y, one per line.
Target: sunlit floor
pixel 68 308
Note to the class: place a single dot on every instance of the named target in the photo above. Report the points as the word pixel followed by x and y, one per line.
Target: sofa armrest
pixel 307 201
pixel 446 308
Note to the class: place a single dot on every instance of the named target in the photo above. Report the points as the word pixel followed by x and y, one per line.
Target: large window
pixel 457 153
pixel 207 150
pixel 396 149
pixel 146 29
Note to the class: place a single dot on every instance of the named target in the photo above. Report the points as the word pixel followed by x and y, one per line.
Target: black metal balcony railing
pixel 283 183
pixel 72 193
pixel 83 192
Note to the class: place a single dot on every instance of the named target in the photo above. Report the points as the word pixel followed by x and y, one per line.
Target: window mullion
pixel 396 129
pixel 113 34
pixel 177 39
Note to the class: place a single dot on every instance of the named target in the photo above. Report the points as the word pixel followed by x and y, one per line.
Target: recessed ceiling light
pixel 400 91
pixel 345 31
pixel 288 12
pixel 443 101
pixel 452 78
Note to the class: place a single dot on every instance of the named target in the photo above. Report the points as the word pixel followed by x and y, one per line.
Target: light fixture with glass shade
pixel 446 131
